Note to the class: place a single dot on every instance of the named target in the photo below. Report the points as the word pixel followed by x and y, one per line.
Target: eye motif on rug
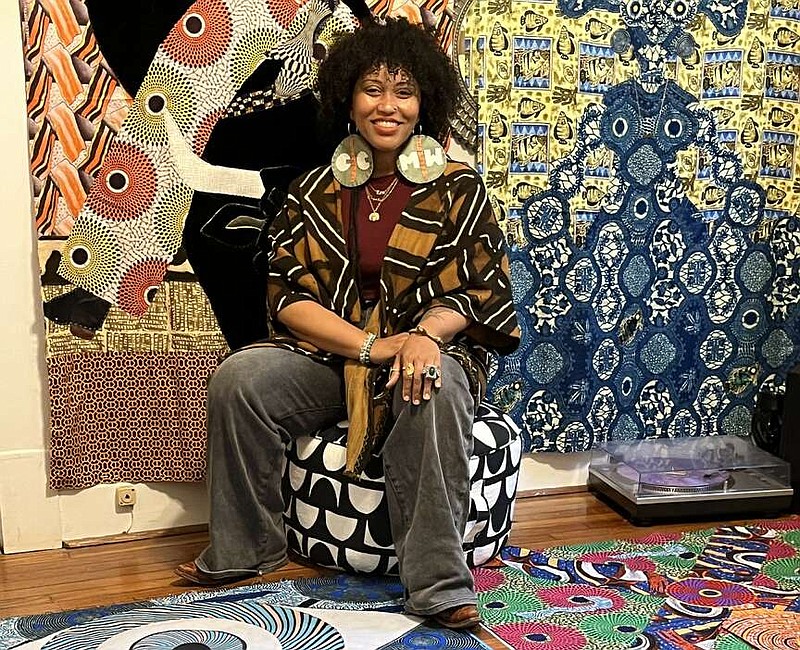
pixel 352 612
pixel 203 626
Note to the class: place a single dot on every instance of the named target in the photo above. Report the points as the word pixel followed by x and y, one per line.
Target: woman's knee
pixel 455 385
pixel 274 383
pixel 231 375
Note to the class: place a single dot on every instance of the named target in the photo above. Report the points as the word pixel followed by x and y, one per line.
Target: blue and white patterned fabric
pixel 668 318
pixel 344 524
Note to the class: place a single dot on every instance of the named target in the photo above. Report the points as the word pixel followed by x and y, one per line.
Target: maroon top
pixel 373 236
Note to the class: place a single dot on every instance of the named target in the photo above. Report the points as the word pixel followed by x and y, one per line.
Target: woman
pixel 370 269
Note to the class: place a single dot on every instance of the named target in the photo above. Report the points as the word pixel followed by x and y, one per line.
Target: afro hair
pixel 397 44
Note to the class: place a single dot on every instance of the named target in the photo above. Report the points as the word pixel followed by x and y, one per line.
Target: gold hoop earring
pixel 352 162
pixel 422 159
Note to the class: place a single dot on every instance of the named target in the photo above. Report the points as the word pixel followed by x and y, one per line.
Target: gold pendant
pixel 374 216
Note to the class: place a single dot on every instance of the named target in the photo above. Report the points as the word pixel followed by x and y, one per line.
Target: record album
pixel 679 481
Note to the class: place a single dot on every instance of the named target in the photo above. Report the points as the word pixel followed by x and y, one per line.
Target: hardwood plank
pixel 88 576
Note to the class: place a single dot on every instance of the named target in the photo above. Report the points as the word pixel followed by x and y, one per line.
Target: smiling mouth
pixel 386 123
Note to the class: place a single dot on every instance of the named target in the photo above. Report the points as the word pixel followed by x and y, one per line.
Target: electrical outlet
pixel 126 496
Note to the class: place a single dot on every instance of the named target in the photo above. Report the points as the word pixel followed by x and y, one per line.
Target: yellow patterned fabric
pixel 534 72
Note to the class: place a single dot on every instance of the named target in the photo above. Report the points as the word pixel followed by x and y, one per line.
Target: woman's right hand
pixel 387 348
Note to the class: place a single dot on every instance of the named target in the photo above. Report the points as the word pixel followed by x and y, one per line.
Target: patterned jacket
pixel 447 250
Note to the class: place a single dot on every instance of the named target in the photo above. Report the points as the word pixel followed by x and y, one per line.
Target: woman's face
pixel 385 108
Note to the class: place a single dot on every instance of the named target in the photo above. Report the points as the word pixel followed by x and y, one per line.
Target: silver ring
pixel 431 372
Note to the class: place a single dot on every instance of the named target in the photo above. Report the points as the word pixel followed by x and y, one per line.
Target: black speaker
pixel 789 444
pixel 767 423
pixel 776 428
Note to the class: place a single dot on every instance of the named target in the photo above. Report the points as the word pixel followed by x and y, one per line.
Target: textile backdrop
pixel 641 159
pixel 129 404
pixel 118 216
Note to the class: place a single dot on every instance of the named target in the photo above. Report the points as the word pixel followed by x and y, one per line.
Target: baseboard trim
pixel 201 528
pixel 549 492
pixel 130 537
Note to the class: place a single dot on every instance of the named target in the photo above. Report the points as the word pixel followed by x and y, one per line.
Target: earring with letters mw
pixel 352 163
pixel 422 159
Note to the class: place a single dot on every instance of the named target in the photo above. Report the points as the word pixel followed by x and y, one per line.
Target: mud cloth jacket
pixel 447 250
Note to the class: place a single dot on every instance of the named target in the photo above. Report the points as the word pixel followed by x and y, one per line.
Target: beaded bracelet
pixel 366 348
pixel 419 329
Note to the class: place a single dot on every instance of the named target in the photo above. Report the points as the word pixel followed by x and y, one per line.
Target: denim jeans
pixel 259 399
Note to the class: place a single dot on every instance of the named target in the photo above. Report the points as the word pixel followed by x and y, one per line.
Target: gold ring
pixel 409 368
pixel 391 370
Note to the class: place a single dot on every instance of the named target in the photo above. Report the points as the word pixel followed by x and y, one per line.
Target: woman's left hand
pixel 416 355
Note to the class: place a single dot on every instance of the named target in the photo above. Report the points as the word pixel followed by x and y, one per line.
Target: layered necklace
pixel 376 197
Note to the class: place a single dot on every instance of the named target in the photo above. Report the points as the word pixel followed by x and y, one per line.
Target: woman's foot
pixel 193 573
pixel 462 617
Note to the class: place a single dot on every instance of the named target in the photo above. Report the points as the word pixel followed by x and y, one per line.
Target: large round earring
pixel 352 163
pixel 422 159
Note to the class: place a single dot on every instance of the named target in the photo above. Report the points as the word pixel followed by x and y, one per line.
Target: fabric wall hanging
pixel 643 158
pixel 117 217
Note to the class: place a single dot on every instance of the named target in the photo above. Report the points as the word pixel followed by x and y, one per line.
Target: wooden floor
pixel 74 578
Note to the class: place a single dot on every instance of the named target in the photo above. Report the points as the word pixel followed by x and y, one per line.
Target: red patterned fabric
pixel 128 417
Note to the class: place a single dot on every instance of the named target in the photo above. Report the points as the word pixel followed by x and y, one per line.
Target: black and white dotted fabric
pixel 343 524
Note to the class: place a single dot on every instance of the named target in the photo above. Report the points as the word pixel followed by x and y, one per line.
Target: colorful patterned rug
pixel 726 588
pixel 729 588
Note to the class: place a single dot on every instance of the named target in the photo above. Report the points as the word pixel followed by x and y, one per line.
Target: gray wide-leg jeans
pixel 259 399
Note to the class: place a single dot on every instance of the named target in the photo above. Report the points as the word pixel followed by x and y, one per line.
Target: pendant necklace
pixel 377 197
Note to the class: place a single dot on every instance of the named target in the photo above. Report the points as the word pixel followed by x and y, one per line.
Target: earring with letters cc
pixel 422 159
pixel 351 163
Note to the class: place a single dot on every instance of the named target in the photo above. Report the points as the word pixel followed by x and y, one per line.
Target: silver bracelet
pixel 366 348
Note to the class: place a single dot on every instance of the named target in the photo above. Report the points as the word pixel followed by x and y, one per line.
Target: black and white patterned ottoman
pixel 344 524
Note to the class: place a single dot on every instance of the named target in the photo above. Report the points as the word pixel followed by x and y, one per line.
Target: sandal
pixel 193 573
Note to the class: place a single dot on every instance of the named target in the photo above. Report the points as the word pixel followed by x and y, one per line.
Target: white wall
pixel 28 512
pixel 31 516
